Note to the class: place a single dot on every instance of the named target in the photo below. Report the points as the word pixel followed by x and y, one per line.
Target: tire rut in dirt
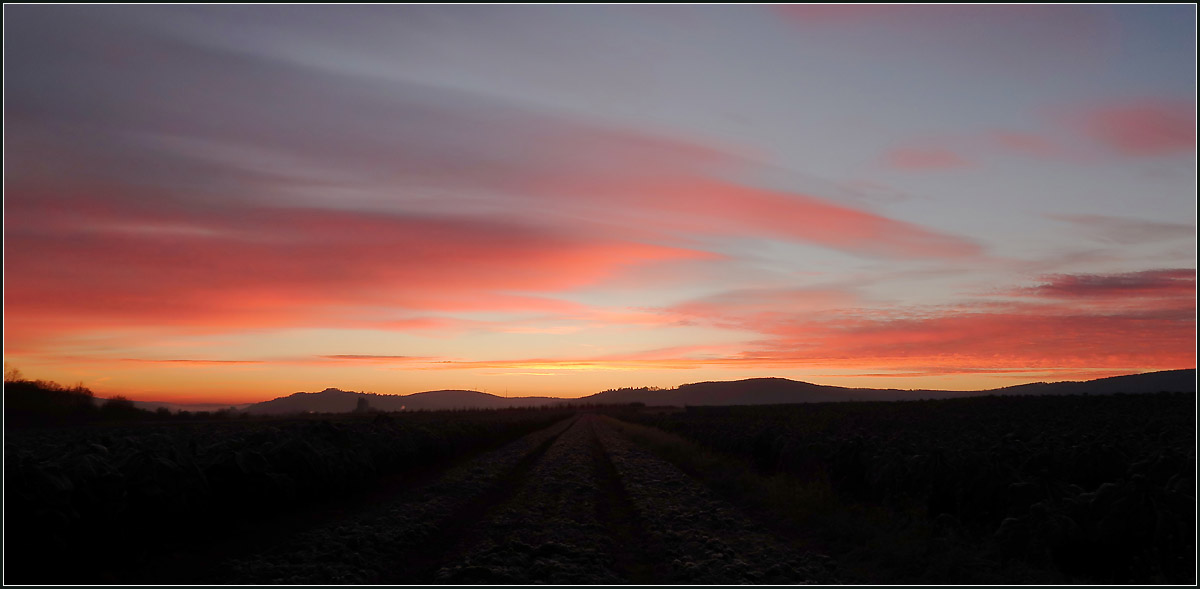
pixel 699 537
pixel 634 557
pixel 553 530
pixel 384 544
pixel 419 563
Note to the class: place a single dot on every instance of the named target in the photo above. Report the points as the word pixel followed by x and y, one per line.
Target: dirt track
pixel 576 503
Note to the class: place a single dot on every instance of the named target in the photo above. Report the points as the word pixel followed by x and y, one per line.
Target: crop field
pixel 1018 490
pixel 120 499
pixel 1060 489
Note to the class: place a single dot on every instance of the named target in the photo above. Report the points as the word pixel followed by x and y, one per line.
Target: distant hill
pixel 754 391
pixel 770 391
pixel 338 401
pixel 1172 381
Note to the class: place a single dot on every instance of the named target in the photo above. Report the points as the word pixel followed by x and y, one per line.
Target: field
pixel 1079 489
pixel 1055 489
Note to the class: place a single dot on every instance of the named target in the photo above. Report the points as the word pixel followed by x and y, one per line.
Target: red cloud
pixel 1142 128
pixel 1024 337
pixel 289 267
pixel 1177 284
pixel 1142 320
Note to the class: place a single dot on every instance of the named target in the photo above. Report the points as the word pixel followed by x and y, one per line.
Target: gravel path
pixel 550 531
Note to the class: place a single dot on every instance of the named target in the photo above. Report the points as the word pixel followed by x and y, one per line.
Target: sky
pixel 234 203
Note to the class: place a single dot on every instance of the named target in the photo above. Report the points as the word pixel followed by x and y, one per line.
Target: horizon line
pixel 676 387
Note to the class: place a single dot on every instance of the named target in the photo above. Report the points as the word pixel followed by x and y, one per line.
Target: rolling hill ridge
pixel 754 391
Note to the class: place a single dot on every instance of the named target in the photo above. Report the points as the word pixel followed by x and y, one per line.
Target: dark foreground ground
pixel 830 493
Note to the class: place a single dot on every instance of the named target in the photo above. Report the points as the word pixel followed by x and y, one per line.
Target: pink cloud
pixel 1140 128
pixel 1144 319
pixel 947 152
pixel 929 158
pixel 716 207
pixel 668 189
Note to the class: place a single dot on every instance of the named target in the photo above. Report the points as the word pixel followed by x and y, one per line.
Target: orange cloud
pixel 377 359
pixel 1070 326
pixel 1051 340
pixel 190 362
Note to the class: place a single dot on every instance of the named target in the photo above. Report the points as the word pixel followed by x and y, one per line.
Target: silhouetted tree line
pixel 44 402
pixel 633 390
